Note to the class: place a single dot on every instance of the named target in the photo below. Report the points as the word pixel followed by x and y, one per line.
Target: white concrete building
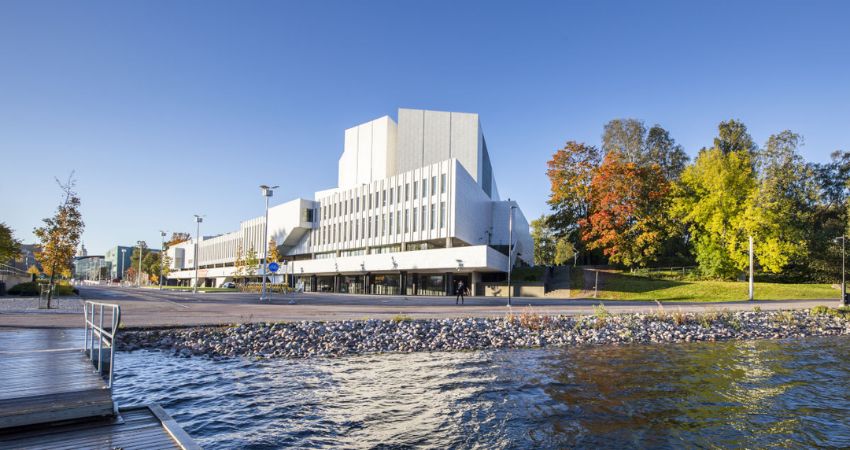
pixel 415 211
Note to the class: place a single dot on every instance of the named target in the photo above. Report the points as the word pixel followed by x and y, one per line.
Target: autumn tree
pixel 176 238
pixel 544 241
pixel 711 198
pixel 570 173
pixel 274 252
pixel 829 218
pixel 60 235
pixel 252 262
pixel 628 221
pixel 10 247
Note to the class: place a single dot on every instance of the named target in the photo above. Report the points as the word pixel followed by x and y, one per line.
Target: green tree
pixel 779 211
pixel 712 197
pixel 626 137
pixel 564 251
pixel 239 263
pixel 60 235
pixel 10 247
pixel 544 241
pixel 663 150
pixel 732 136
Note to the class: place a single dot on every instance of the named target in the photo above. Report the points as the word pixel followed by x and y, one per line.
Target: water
pixel 733 394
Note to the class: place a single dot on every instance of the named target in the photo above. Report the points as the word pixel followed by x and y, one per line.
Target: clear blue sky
pixel 169 108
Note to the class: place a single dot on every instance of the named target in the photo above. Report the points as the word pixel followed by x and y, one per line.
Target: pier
pixel 57 392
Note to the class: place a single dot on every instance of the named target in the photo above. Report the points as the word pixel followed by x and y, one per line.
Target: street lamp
pixel 267 192
pixel 123 256
pixel 843 301
pixel 161 256
pixel 198 220
pixel 510 248
pixel 139 277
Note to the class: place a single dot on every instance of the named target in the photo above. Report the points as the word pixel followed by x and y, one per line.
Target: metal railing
pixel 105 338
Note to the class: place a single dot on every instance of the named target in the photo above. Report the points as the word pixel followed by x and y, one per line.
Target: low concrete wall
pixel 525 289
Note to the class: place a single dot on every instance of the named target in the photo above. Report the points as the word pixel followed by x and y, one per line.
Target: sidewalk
pixel 151 308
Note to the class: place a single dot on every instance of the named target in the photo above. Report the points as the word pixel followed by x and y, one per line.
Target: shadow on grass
pixel 632 284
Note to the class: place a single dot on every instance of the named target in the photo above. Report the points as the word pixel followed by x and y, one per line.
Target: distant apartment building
pixel 416 209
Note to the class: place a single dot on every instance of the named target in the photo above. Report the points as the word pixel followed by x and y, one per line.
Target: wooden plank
pixel 141 428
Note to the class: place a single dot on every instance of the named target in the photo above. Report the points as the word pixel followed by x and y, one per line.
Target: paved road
pixel 149 307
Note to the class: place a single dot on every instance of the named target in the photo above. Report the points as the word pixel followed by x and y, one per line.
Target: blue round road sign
pixel 274 266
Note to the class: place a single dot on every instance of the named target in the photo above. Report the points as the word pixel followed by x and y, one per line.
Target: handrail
pixel 94 329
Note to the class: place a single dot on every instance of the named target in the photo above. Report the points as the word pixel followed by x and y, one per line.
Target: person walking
pixel 459 292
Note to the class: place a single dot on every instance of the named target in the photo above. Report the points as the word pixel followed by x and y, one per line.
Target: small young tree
pixel 239 263
pixel 60 235
pixel 251 262
pixel 274 254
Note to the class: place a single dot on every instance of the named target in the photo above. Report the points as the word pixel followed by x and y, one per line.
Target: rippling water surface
pixel 732 394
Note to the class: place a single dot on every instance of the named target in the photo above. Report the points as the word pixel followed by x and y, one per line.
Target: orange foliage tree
pixel 628 211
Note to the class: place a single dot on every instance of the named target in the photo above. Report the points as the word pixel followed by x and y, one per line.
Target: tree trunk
pixel 50 285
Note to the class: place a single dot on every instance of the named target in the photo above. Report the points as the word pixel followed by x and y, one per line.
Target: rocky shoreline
pixel 528 329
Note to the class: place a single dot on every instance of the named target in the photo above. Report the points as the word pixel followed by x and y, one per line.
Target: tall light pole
pixel 139 276
pixel 123 256
pixel 843 301
pixel 510 249
pixel 198 220
pixel 267 192
pixel 161 256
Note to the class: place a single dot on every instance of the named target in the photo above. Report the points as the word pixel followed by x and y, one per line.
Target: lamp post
pixel 123 256
pixel 843 301
pixel 139 276
pixel 198 220
pixel 510 249
pixel 161 256
pixel 267 192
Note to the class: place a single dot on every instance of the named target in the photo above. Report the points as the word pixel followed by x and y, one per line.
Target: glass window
pixel 433 215
pixel 397 222
pixel 443 183
pixel 370 201
pixel 433 185
pixel 413 221
pixel 406 219
pixel 424 188
pixel 398 194
pixel 415 190
pixel 391 196
pixel 357 204
pixel 406 191
pixel 391 222
pixel 442 214
pixel 384 198
pixel 423 221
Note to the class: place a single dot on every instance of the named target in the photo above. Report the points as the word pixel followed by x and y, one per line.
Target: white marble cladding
pixel 414 206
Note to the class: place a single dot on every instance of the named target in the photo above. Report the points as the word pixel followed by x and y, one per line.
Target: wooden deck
pixel 137 428
pixel 52 397
pixel 40 386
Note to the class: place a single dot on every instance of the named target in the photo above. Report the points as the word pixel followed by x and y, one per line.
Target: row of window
pixel 379 198
pixel 382 225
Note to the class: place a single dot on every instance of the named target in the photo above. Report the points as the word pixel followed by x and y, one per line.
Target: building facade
pixel 89 267
pixel 118 260
pixel 416 210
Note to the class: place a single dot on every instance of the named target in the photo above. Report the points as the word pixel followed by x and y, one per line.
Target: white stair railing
pixel 100 342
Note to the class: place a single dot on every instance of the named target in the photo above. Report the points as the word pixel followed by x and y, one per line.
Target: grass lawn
pixel 618 286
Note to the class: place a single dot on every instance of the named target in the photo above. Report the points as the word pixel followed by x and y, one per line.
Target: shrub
pixel 402 318
pixel 25 289
pixel 533 321
pixel 601 315
pixel 820 310
pixel 757 309
pixel 679 317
